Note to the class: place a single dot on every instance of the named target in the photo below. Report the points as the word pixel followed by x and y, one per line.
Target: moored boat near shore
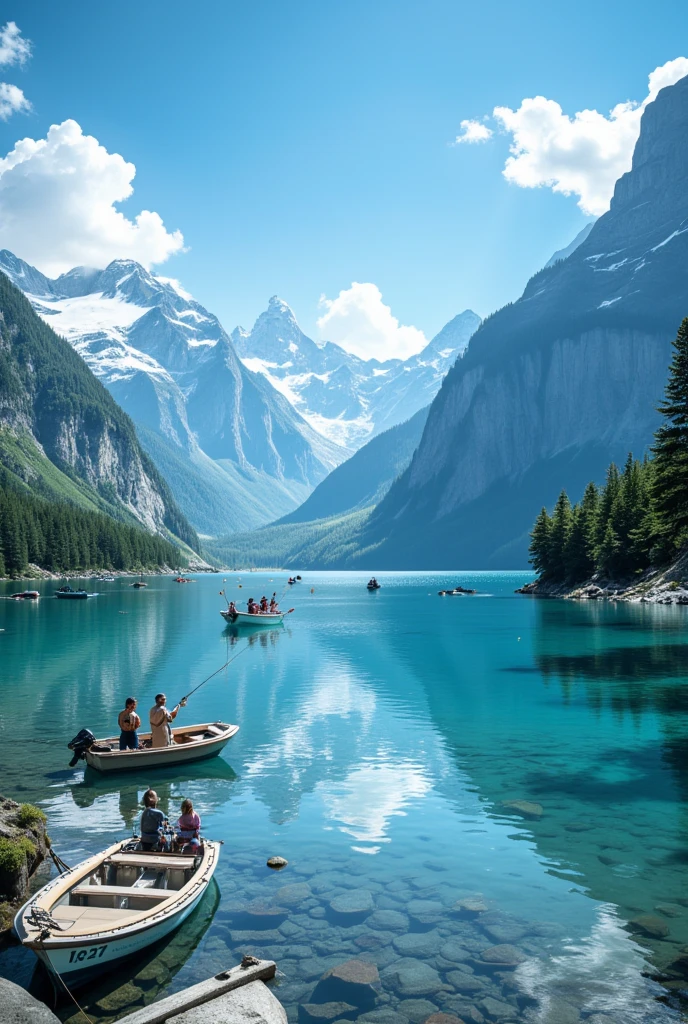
pixel 189 743
pixel 111 906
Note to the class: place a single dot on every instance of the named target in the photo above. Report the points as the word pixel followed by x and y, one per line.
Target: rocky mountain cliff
pixel 346 398
pixel 364 479
pixel 557 384
pixel 63 434
pixel 234 451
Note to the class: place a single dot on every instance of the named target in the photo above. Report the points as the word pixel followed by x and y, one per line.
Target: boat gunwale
pixel 251 618
pixel 140 920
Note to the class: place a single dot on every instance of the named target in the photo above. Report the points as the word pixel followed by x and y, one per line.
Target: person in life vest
pixel 160 717
pixel 129 722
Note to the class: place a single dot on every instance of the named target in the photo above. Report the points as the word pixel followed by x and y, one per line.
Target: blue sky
pixel 301 147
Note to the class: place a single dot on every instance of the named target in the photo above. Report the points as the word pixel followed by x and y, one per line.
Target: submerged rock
pixel 503 956
pixel 443 1018
pixel 355 981
pixel 277 863
pixel 294 894
pixel 413 978
pixel 417 1010
pixel 352 906
pixel 495 1009
pixel 470 905
pixel 650 926
pixel 525 808
pixel 325 1013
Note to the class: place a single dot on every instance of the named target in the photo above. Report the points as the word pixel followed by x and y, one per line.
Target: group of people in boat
pixel 373 583
pixel 262 607
pixel 159 716
pixel 157 834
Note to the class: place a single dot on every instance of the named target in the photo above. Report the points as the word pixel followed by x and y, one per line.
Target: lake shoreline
pixel 668 585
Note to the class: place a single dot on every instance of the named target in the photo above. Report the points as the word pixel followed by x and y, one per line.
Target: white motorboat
pixel 189 743
pixel 112 906
pixel 253 618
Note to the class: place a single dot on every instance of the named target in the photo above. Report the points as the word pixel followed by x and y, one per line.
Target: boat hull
pixel 74 971
pixel 72 597
pixel 158 757
pixel 244 619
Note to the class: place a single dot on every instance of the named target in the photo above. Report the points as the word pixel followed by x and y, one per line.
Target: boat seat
pixel 123 890
pixel 215 730
pixel 185 738
pixel 152 860
pixel 92 919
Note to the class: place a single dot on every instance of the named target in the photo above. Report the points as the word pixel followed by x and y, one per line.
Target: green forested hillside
pixel 317 545
pixel 62 433
pixel 61 538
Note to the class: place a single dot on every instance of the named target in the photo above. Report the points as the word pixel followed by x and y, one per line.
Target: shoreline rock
pixel 23 847
pixel 668 585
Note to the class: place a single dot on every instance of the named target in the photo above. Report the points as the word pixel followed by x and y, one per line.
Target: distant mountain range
pixel 346 398
pixel 62 435
pixel 556 385
pixel 234 451
pixel 241 443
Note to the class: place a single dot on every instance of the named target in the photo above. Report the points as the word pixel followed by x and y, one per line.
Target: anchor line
pixel 69 993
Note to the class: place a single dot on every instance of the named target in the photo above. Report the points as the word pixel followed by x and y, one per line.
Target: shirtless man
pixel 160 717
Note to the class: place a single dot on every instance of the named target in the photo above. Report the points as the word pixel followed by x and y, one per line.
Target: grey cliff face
pixel 568 378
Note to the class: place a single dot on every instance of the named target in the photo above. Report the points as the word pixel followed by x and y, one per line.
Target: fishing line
pixel 220 669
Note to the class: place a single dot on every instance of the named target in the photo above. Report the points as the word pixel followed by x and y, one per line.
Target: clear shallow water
pixel 381 735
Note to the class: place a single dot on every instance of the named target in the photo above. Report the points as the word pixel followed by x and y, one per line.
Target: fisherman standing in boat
pixel 160 717
pixel 129 722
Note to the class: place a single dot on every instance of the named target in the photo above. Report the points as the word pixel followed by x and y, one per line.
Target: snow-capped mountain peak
pixel 344 397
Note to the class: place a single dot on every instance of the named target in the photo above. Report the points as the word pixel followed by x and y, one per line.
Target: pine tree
pixel 580 548
pixel 561 526
pixel 540 539
pixel 670 485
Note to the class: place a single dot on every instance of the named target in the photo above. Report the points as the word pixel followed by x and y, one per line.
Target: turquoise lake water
pixel 383 736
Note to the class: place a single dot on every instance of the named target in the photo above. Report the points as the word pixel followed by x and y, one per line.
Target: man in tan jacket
pixel 160 717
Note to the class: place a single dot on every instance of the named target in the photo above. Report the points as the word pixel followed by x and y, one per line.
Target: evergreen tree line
pixel 62 538
pixel 639 518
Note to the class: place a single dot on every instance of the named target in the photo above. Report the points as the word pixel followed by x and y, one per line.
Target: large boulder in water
pixel 18 1007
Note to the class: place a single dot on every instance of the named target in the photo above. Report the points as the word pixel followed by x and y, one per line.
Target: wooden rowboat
pixel 256 619
pixel 112 906
pixel 190 743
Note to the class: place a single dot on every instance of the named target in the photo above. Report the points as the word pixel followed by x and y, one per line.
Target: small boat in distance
pixel 189 743
pixel 183 579
pixel 66 593
pixel 25 595
pixel 456 592
pixel 112 906
pixel 373 584
pixel 138 583
pixel 105 579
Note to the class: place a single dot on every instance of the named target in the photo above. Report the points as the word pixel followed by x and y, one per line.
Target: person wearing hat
pixel 160 717
pixel 129 722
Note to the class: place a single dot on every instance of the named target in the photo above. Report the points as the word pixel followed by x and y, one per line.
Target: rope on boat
pixel 220 669
pixel 57 860
pixel 69 993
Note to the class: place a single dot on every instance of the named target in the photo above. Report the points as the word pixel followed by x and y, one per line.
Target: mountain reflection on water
pixel 381 748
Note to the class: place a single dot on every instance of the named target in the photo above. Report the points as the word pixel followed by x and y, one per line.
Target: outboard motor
pixel 82 742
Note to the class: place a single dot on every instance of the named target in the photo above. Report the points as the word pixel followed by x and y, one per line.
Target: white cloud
pixel 583 155
pixel 57 205
pixel 12 101
pixel 361 323
pixel 473 131
pixel 13 49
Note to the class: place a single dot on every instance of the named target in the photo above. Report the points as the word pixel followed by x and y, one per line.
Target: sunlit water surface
pixel 383 736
